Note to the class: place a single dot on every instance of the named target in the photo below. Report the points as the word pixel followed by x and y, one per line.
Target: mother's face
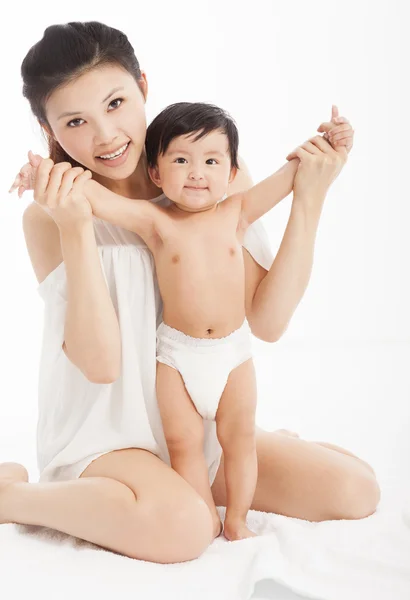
pixel 106 111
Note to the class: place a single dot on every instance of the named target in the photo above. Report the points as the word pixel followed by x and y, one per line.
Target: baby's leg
pixel 235 420
pixel 184 434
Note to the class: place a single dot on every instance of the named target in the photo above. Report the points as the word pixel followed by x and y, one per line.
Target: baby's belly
pixel 205 303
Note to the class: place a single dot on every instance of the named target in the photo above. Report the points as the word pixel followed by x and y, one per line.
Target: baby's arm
pixel 140 216
pixel 263 196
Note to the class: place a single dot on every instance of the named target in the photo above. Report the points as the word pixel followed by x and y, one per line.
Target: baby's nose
pixel 195 175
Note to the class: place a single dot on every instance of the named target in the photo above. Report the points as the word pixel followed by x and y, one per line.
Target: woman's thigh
pixel 302 479
pixel 171 522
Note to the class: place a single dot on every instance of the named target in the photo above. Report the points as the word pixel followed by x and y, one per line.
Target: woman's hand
pixel 58 189
pixel 338 132
pixel 319 166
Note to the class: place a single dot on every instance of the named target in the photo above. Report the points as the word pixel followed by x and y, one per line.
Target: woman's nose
pixel 105 136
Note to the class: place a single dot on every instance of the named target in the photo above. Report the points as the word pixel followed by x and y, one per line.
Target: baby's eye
pixel 215 162
pixel 178 159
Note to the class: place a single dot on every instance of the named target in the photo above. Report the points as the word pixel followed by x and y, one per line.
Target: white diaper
pixel 204 363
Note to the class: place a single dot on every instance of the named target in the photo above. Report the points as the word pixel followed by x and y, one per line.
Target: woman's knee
pixel 182 527
pixel 358 495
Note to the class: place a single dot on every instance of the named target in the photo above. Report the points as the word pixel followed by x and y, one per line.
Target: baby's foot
pixel 217 528
pixel 10 473
pixel 237 530
pixel 217 525
pixel 287 433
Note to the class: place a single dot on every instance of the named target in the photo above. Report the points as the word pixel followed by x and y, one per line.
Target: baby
pixel 204 359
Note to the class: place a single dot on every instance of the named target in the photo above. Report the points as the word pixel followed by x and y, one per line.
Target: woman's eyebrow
pixel 77 112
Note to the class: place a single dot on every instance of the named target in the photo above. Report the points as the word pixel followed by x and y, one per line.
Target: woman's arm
pixel 272 296
pixel 278 294
pixel 92 340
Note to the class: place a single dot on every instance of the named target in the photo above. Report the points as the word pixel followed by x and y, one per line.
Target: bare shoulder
pixel 42 240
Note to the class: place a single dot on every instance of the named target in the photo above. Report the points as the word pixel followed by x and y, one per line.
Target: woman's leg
pixel 306 480
pixel 127 501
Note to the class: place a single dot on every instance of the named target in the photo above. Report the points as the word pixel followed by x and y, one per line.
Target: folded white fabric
pixel 334 560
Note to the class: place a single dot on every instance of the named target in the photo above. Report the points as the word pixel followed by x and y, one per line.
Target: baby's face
pixel 195 174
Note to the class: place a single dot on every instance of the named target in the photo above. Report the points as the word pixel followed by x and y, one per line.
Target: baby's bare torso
pixel 200 269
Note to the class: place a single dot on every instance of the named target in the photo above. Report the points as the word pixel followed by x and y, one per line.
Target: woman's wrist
pixel 77 229
pixel 310 204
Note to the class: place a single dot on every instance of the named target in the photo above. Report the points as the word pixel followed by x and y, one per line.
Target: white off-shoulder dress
pixel 78 421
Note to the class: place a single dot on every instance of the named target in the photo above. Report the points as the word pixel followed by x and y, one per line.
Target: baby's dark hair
pixel 184 118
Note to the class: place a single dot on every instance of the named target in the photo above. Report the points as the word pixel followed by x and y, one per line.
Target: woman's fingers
pixel 68 178
pixel 298 152
pixel 54 182
pixel 42 179
pixel 340 132
pixel 316 145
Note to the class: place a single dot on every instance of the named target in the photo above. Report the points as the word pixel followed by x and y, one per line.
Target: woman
pixel 104 468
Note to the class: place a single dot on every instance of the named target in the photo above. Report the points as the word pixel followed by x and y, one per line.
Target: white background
pixel 341 371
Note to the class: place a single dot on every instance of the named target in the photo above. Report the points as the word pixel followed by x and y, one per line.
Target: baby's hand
pixel 26 178
pixel 338 131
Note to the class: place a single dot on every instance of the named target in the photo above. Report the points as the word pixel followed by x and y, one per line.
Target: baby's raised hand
pixel 26 177
pixel 338 131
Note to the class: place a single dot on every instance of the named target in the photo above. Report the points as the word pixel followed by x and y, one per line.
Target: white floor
pixel 355 395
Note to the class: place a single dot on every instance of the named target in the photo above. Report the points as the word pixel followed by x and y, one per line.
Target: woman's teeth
pixel 116 154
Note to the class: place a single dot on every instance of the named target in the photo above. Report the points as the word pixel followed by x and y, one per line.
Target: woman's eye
pixel 74 121
pixel 116 100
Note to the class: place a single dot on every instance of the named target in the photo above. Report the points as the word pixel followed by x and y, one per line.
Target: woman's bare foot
pixel 10 473
pixel 237 530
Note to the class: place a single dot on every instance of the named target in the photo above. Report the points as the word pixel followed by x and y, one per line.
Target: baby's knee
pixel 236 431
pixel 187 442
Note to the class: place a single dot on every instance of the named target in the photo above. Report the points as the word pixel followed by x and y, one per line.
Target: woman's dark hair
pixel 183 118
pixel 63 54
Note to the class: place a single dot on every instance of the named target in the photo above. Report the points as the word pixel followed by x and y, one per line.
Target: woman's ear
pixel 153 172
pixel 46 128
pixel 143 85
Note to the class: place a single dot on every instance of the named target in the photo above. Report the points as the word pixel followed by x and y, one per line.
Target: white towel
pixel 367 559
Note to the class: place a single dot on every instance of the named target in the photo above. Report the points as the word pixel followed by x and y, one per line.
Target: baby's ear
pixel 153 172
pixel 232 176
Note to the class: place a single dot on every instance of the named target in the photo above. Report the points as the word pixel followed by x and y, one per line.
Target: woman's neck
pixel 137 186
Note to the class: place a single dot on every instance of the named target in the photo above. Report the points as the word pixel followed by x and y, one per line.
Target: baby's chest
pixel 200 248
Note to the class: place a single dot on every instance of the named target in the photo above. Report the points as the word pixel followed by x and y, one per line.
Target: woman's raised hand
pixel 58 189
pixel 319 166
